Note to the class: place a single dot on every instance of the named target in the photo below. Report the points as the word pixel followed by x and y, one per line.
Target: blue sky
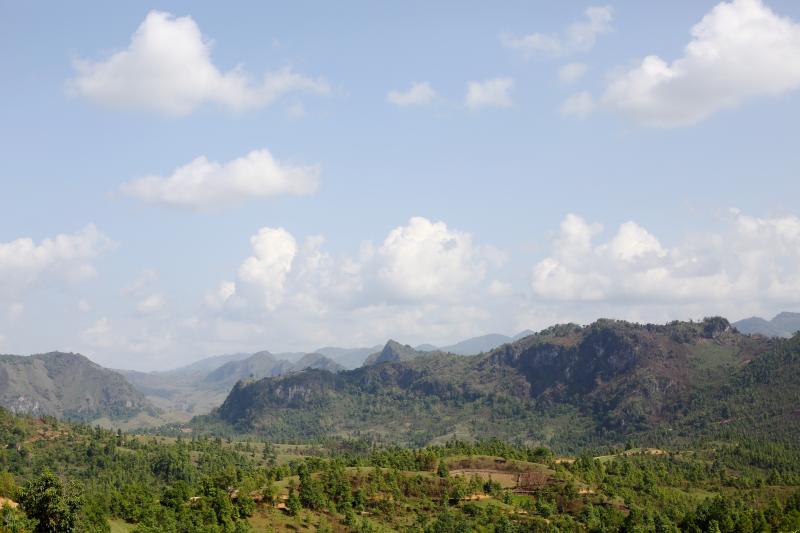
pixel 666 189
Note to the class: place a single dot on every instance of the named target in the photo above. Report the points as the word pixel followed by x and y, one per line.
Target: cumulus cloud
pixel 571 72
pixel 739 51
pixel 421 261
pixel 489 93
pixel 167 68
pixel 420 93
pixel 203 184
pixel 580 36
pixel 425 259
pixel 423 280
pixel 274 251
pixel 65 257
pixel 754 261
pixel 426 281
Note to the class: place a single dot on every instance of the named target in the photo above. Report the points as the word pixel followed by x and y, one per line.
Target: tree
pixel 311 495
pixel 54 506
pixel 293 505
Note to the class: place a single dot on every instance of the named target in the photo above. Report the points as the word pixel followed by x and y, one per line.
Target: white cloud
pixel 65 257
pixel 427 260
pixel 754 262
pixel 274 251
pixel 216 299
pixel 204 184
pixel 578 105
pixel 489 93
pixel 152 304
pixel 428 282
pixel 578 37
pixel 420 93
pixel 167 68
pixel 571 72
pixel 739 51
pixel 424 279
pixel 83 305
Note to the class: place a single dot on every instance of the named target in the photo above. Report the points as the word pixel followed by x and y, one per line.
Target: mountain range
pixel 564 386
pixel 199 387
pixel 568 381
pixel 781 325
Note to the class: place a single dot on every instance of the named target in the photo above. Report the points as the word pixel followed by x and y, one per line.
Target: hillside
pixel 565 386
pixel 781 325
pixel 66 385
pixel 130 482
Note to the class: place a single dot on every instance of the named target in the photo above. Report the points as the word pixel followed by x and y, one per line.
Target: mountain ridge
pixel 602 381
pixel 67 385
pixel 784 324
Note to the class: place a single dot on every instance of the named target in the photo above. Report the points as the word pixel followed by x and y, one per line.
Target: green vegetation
pixel 71 477
pixel 613 427
pixel 569 387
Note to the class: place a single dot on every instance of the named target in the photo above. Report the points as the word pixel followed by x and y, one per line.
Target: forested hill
pixel 66 385
pixel 566 386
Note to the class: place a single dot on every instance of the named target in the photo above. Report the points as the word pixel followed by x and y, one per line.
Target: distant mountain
pixel 347 357
pixel 477 345
pixel 198 388
pixel 260 364
pixel 290 356
pixel 524 333
pixel 317 361
pixel 393 352
pixel 566 386
pixel 782 325
pixel 264 364
pixel 204 366
pixel 426 348
pixel 474 345
pixel 67 385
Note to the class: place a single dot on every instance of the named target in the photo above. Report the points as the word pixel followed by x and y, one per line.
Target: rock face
pixel 614 377
pixel 66 385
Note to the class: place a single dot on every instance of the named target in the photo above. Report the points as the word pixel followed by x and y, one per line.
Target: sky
pixel 185 179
